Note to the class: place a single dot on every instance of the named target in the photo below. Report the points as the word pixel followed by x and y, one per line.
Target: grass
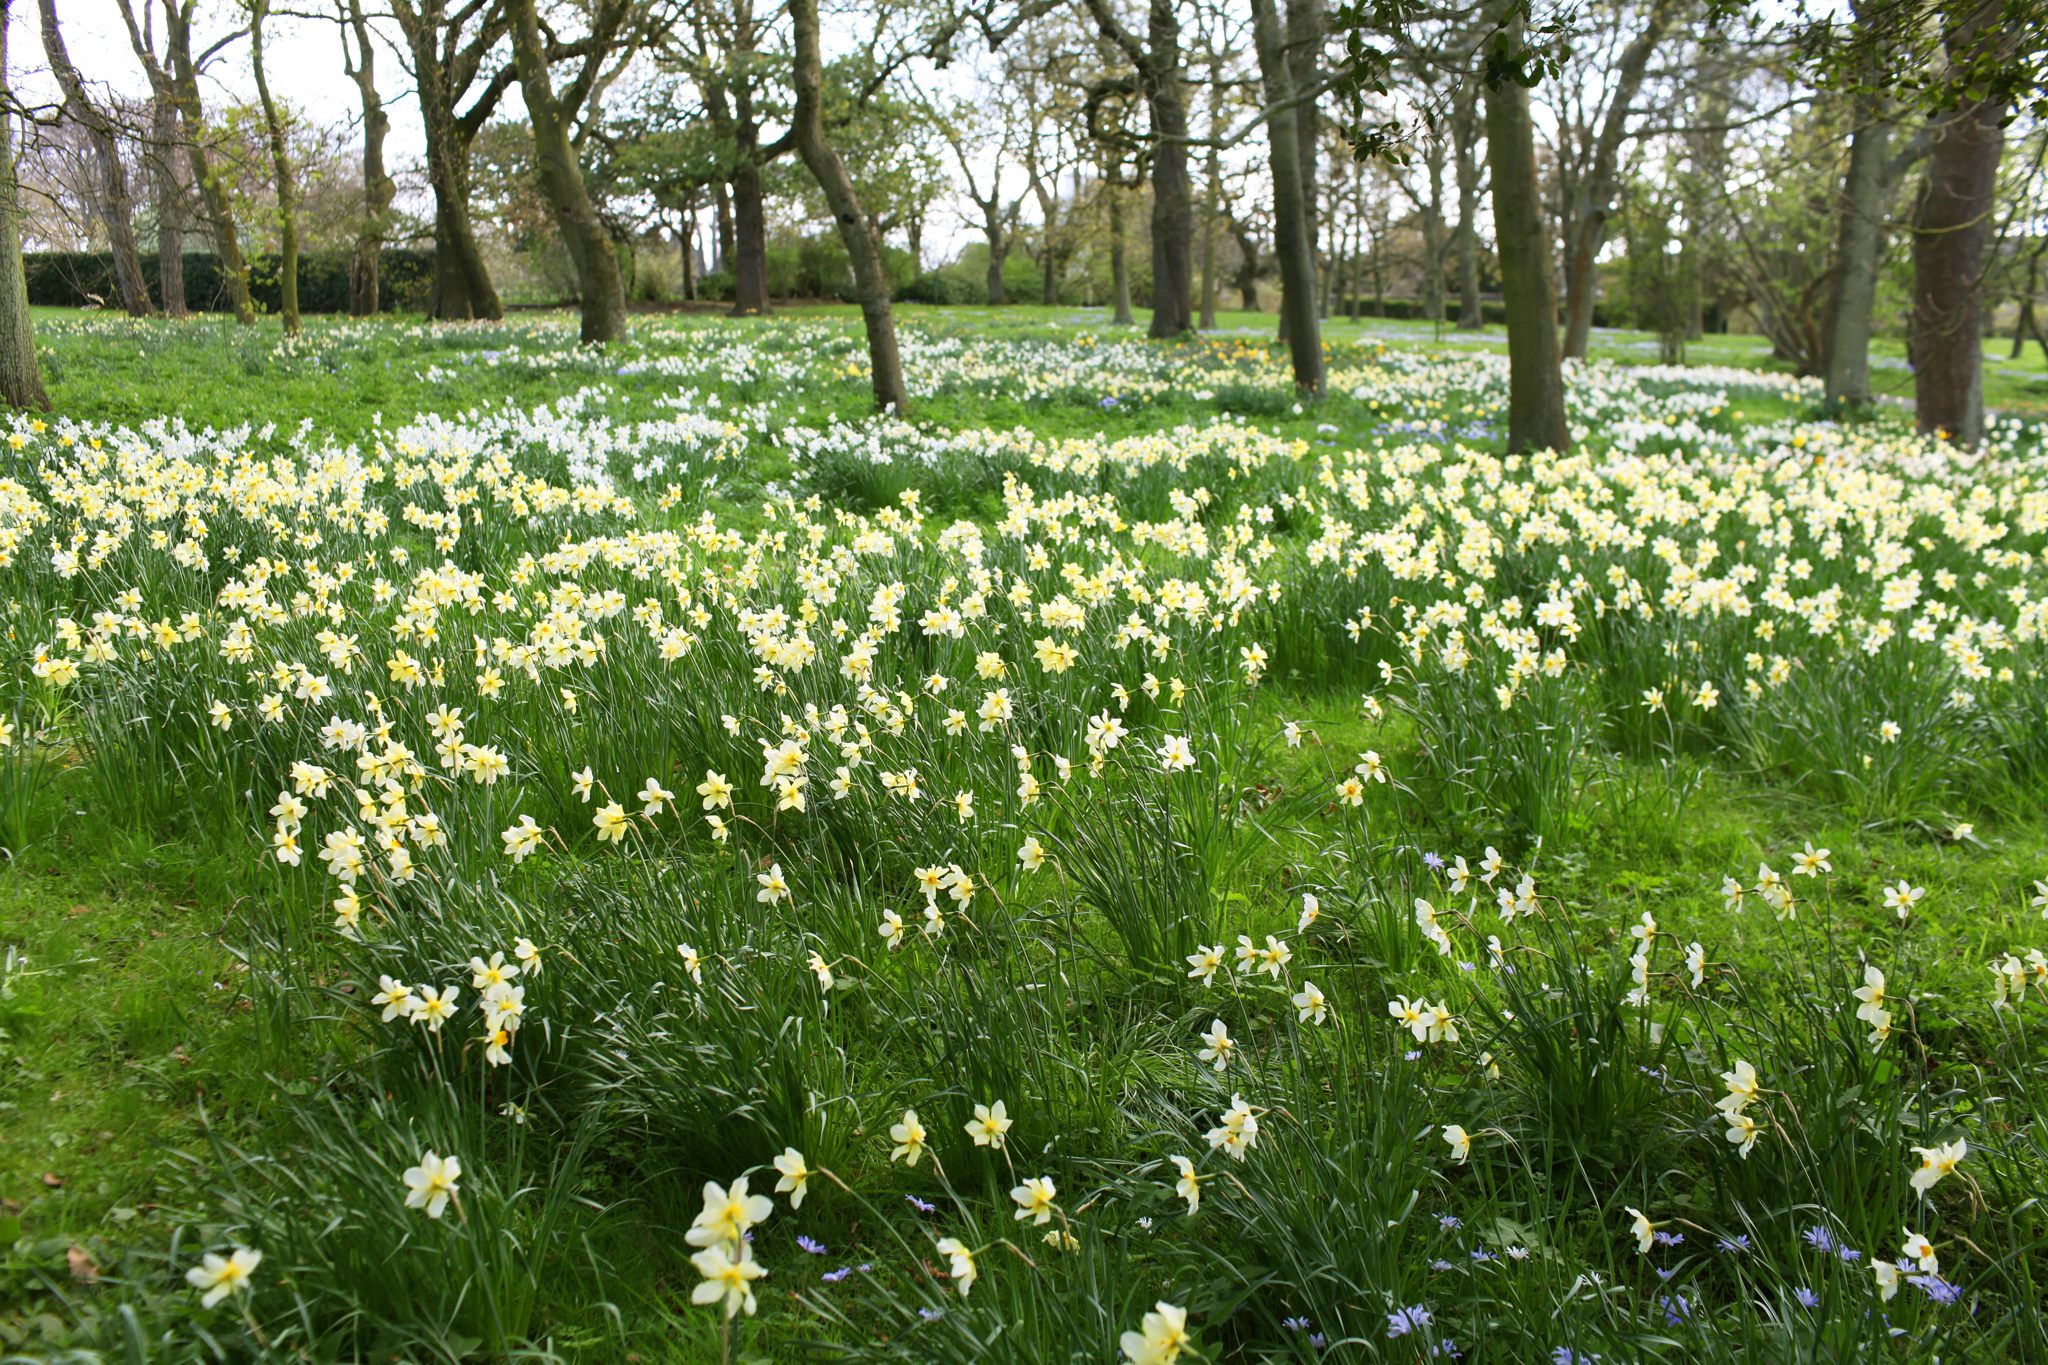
pixel 190 1064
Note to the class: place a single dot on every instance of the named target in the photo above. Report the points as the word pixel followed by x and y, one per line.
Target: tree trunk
pixel 169 192
pixel 1305 74
pixel 602 294
pixel 1119 265
pixel 1465 133
pixel 998 243
pixel 1290 217
pixel 116 204
pixel 1536 419
pixel 870 282
pixel 21 377
pixel 379 188
pixel 1173 215
pixel 721 212
pixel 220 210
pixel 1948 253
pixel 281 166
pixel 1859 244
pixel 462 282
pixel 750 243
pixel 1595 202
pixel 1247 266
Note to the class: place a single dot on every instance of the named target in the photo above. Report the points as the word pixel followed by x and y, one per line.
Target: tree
pixel 116 205
pixel 21 377
pixel 1596 192
pixel 450 53
pixel 1949 236
pixel 161 160
pixel 379 188
pixel 1465 127
pixel 281 165
pixel 731 73
pixel 1157 64
pixel 1291 229
pixel 185 66
pixel 998 221
pixel 554 117
pixel 1536 419
pixel 863 246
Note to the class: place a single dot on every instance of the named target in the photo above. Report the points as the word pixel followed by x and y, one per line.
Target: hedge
pixel 67 279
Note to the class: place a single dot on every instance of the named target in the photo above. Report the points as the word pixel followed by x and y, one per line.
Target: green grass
pixel 186 1061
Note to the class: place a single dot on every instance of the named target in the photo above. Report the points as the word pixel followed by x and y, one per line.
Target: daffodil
pixel 1034 1199
pixel 909 1137
pixel 990 1126
pixel 1642 1229
pixel 1220 1045
pixel 727 1277
pixel 795 1176
pixel 1189 1186
pixel 1311 1003
pixel 962 1268
pixel 432 1183
pixel 727 1214
pixel 1161 1336
pixel 1936 1162
pixel 217 1277
pixel 1460 1140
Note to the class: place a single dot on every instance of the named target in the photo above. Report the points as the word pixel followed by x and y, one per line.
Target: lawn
pixel 1123 853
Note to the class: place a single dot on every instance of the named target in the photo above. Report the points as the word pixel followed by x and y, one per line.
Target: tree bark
pixel 220 210
pixel 1119 263
pixel 1290 216
pixel 443 69
pixel 603 295
pixel 379 188
pixel 116 204
pixel 1247 263
pixel 1859 243
pixel 1305 76
pixel 721 213
pixel 281 166
pixel 870 282
pixel 998 251
pixel 21 377
pixel 1465 135
pixel 1948 254
pixel 1595 201
pixel 1536 419
pixel 1157 62
pixel 162 164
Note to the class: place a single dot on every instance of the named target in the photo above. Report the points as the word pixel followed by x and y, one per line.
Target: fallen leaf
pixel 82 1268
pixel 53 1180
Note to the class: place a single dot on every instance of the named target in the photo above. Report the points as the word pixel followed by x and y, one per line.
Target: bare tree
pixel 112 198
pixel 281 167
pixel 380 190
pixel 185 66
pixel 161 157
pixel 1291 227
pixel 1536 419
pixel 1156 60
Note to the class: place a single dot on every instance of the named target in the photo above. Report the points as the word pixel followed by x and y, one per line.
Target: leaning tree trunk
pixel 1465 133
pixel 870 282
pixel 1859 242
pixel 1596 195
pixel 220 209
pixel 561 179
pixel 21 378
pixel 462 282
pixel 116 204
pixel 281 164
pixel 1536 418
pixel 1290 216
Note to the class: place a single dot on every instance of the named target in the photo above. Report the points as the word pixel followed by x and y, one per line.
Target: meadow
pixel 516 852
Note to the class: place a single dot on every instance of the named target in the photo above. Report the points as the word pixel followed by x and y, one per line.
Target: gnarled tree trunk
pixel 220 209
pixel 281 165
pixel 1859 243
pixel 1465 136
pixel 379 188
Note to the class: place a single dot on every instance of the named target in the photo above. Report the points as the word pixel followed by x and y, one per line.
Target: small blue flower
pixel 1936 1288
pixel 1433 862
pixel 931 1314
pixel 811 1245
pixel 1670 1239
pixel 1737 1244
pixel 1449 1222
pixel 919 1204
pixel 835 1276
pixel 1402 1321
pixel 1295 1324
pixel 1807 1298
pixel 1317 1341
pixel 1820 1239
